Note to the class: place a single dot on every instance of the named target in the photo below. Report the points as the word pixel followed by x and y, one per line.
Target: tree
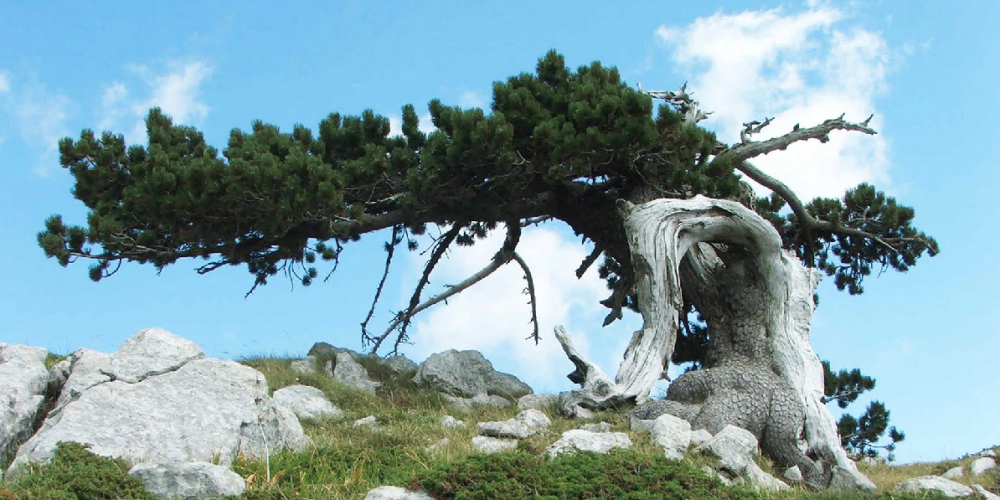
pixel 860 435
pixel 660 198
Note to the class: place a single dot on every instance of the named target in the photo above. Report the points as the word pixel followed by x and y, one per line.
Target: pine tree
pixel 860 435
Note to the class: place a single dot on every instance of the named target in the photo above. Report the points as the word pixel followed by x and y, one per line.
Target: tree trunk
pixel 760 372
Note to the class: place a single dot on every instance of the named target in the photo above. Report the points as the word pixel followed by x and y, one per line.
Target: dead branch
pixel 390 248
pixel 531 295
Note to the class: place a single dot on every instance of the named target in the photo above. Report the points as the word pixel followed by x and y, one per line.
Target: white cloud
pixel 396 124
pixel 493 316
pixel 800 68
pixel 176 91
pixel 42 120
pixel 4 83
pixel 470 99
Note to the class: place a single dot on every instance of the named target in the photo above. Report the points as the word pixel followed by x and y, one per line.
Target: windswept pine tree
pixel 664 203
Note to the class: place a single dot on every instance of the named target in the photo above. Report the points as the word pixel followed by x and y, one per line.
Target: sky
pixel 926 70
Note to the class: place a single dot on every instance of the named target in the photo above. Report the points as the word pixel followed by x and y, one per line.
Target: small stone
pixel 395 493
pixel 506 429
pixel 953 473
pixel 370 421
pixel 793 474
pixel 948 487
pixel 486 444
pixel 981 465
pixel 449 421
pixel 581 440
pixel 305 401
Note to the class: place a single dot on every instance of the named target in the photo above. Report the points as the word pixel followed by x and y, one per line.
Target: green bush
pixel 77 474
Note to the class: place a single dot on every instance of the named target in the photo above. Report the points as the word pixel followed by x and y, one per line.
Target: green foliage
pixel 617 475
pixel 52 359
pixel 860 436
pixel 77 474
pixel 845 386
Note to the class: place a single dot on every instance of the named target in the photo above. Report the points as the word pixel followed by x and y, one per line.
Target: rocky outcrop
pixel 479 400
pixel 305 401
pixel 981 465
pixel 189 480
pixel 178 408
pixel 576 440
pixel 947 487
pixel 350 373
pixel 24 380
pixel 537 401
pixel 467 374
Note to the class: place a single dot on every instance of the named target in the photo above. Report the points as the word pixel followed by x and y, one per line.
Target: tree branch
pixel 531 295
pixel 389 249
pixel 589 261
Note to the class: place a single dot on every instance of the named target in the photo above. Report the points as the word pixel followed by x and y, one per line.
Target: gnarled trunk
pixel 760 372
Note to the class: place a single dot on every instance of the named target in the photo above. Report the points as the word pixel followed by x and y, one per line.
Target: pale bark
pixel 760 373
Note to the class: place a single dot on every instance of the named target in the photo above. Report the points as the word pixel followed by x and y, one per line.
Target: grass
pixel 345 462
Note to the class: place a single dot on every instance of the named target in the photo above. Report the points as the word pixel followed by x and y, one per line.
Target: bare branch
pixel 531 294
pixel 747 150
pixel 589 261
pixel 390 248
pixel 753 127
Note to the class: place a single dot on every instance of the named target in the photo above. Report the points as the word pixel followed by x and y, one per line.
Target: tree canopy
pixel 557 143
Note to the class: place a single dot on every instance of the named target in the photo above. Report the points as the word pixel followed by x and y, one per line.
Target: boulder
pixel 947 487
pixel 305 401
pixel 24 380
pixel 640 425
pixel 981 465
pixel 984 493
pixel 304 366
pixel 151 352
pixel 581 440
pixel 321 348
pixel 395 493
pixel 467 374
pixel 203 409
pixel 451 422
pixel 486 444
pixel 86 370
pixel 988 453
pixel 735 449
pixel 348 372
pixel 525 424
pixel 401 365
pixel 479 400
pixel 188 480
pixel 537 401
pixel 673 434
pixel 953 473
pixel 793 474
pixel 700 437
pixel 598 427
pixel 849 481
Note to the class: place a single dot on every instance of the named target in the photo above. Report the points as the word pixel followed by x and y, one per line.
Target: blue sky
pixel 926 69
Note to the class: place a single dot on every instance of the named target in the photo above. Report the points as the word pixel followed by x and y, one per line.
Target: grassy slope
pixel 345 462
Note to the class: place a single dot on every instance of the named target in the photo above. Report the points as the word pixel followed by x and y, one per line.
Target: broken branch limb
pixel 389 249
pixel 589 261
pixel 531 295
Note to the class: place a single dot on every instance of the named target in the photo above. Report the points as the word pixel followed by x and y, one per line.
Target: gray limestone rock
pixel 304 366
pixel 401 365
pixel 947 487
pixel 981 465
pixel 793 474
pixel 598 427
pixel 953 473
pixel 984 493
pixel 534 418
pixel 640 425
pixel 467 374
pixel 23 379
pixel 480 400
pixel 86 367
pixel 700 437
pixel 526 424
pixel 151 352
pixel 486 444
pixel 848 481
pixel 204 409
pixel 537 401
pixel 988 453
pixel 395 493
pixel 576 440
pixel 58 375
pixel 348 372
pixel 305 401
pixel 369 421
pixel 321 348
pixel 735 449
pixel 440 443
pixel 188 480
pixel 451 422
pixel 673 434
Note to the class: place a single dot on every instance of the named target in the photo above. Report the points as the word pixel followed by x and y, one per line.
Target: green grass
pixel 52 359
pixel 345 462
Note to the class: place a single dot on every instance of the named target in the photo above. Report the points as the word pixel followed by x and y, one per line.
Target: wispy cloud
pixel 42 119
pixel 4 83
pixel 396 124
pixel 471 99
pixel 800 68
pixel 176 90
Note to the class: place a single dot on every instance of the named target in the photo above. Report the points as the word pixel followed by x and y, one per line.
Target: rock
pixel 710 472
pixel 486 444
pixel 700 437
pixel 58 375
pixel 581 440
pixel 401 365
pixel 449 421
pixel 321 348
pixel 953 473
pixel 467 374
pixel 598 427
pixel 673 434
pixel 305 401
pixel 537 401
pixel 304 366
pixel 988 453
pixel 876 460
pixel 203 409
pixel 370 421
pixel 947 487
pixel 793 474
pixel 848 481
pixel 188 480
pixel 733 446
pixel 981 465
pixel 395 493
pixel 150 352
pixel 86 371
pixel 525 424
pixel 763 480
pixel 984 493
pixel 348 372
pixel 640 425
pixel 480 400
pixel 24 380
